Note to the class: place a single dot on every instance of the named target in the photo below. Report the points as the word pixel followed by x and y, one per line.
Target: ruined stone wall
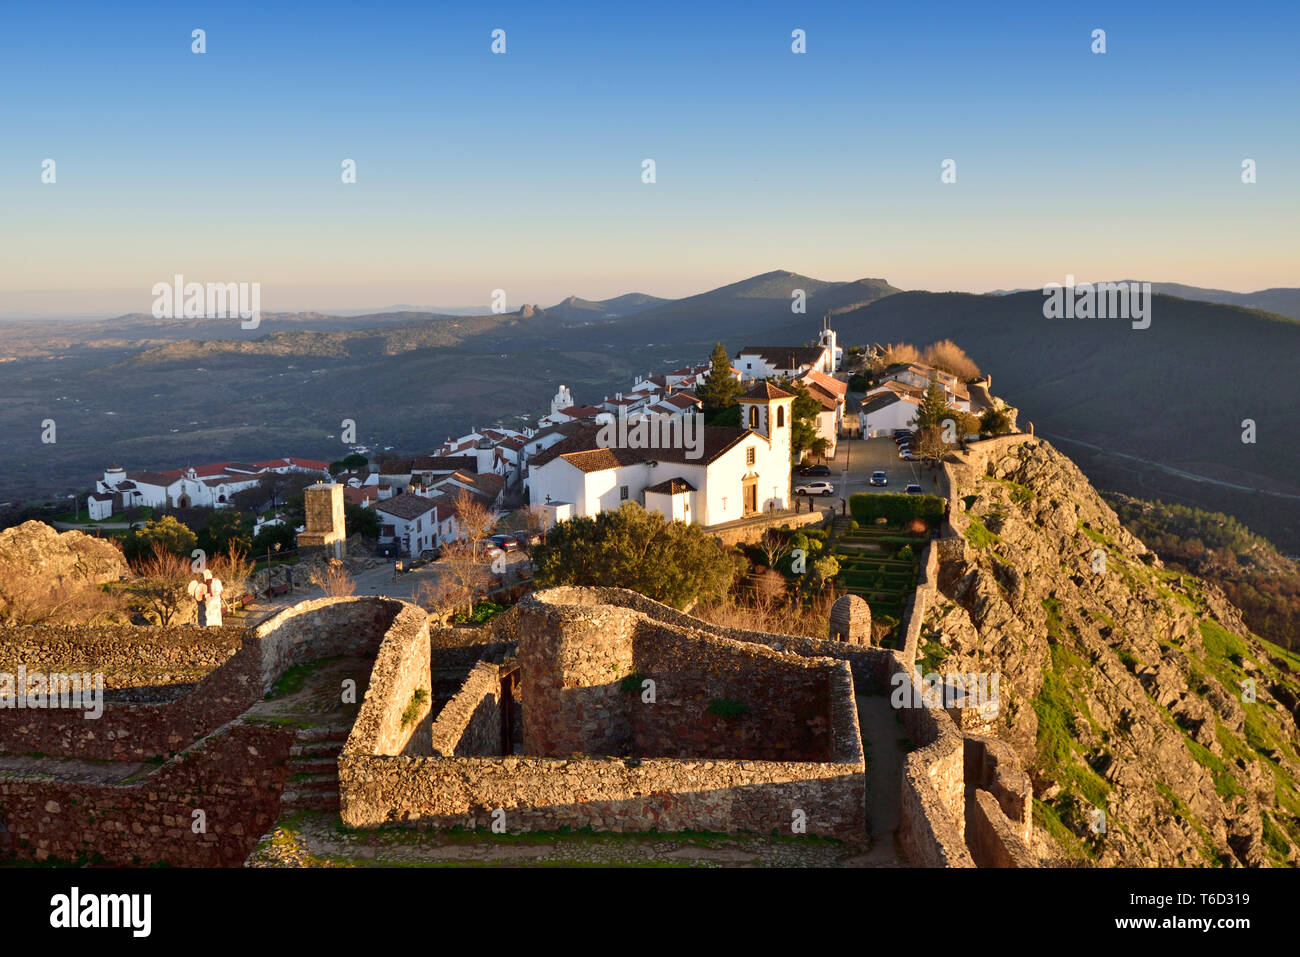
pixel 378 785
pixel 927 590
pixel 786 701
pixel 752 530
pixel 611 795
pixel 390 714
pixel 320 629
pixel 992 840
pixel 128 656
pixel 470 723
pixel 571 667
pixel 130 731
pixel 992 765
pixel 871 666
pixel 235 777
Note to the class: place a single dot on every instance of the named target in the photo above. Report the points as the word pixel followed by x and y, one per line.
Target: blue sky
pixel 522 171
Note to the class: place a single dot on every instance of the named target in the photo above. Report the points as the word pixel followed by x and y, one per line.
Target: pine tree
pixel 719 390
pixel 934 407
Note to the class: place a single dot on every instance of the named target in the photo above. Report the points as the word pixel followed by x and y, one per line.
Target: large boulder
pixel 36 547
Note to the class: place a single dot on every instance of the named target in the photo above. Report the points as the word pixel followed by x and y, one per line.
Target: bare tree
pixel 333 579
pixel 163 585
pixel 950 357
pixel 774 546
pixel 770 587
pixel 467 575
pixel 233 568
pixel 474 519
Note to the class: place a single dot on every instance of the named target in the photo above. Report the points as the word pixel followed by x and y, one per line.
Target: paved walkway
pixel 883 743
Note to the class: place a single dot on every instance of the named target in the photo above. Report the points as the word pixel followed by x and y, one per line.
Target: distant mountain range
pixel 1282 300
pixel 1155 413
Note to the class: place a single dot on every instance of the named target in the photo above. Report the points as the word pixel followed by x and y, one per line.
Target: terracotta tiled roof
pixel 583 452
pixel 674 486
pixel 784 357
pixel 405 506
pixel 765 390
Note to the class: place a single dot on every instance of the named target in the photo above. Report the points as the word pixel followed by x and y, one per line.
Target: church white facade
pixel 737 473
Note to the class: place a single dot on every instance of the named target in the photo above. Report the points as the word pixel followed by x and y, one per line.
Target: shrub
pixel 896 509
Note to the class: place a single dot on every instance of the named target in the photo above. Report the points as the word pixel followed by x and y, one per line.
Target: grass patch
pixel 414 706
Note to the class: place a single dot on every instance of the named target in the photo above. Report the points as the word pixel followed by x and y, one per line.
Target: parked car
pixel 528 539
pixel 906 454
pixel 913 490
pixel 902 438
pixel 898 432
pixel 431 554
pixel 815 488
pixel 879 478
pixel 506 543
pixel 815 470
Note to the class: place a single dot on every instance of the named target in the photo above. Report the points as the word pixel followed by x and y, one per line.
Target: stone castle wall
pixel 470 723
pixel 598 647
pixel 251 661
pixel 232 771
pixel 234 777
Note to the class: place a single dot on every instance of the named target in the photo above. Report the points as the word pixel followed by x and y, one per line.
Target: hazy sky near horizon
pixel 522 171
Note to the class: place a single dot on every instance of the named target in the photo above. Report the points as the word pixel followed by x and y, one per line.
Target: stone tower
pixel 850 620
pixel 325 529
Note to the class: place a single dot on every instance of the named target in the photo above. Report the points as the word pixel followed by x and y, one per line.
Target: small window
pixel 749 455
pixel 753 416
pixel 622 492
pixel 780 416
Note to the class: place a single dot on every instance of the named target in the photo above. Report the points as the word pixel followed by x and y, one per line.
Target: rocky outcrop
pixel 36 547
pixel 1158 730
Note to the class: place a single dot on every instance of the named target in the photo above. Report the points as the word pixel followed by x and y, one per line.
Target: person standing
pixel 212 589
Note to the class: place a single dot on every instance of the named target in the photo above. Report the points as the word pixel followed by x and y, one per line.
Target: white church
pixel 736 473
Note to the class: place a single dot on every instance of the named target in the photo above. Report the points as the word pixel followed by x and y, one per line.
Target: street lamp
pixel 76 502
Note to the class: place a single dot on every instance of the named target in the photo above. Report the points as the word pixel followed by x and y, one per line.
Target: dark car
pixel 506 543
pixel 913 490
pixel 902 438
pixel 528 539
pixel 879 478
pixel 815 470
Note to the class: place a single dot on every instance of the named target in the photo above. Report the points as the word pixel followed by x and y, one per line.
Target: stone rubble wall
pixel 234 777
pixel 470 723
pixel 992 839
pixel 128 656
pixel 401 668
pixel 788 699
pixel 596 646
pixel 752 530
pixel 252 660
pixel 966 802
pixel 604 794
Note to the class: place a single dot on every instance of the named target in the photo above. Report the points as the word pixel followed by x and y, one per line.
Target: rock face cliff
pixel 36 547
pixel 1158 730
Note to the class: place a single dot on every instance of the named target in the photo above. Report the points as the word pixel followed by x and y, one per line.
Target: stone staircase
pixel 313 782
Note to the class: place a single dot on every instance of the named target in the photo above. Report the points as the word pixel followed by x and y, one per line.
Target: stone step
pixel 311 750
pixel 314 765
pixel 309 801
pixel 313 782
pixel 326 734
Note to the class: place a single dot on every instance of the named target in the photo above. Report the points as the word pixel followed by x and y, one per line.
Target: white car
pixel 815 488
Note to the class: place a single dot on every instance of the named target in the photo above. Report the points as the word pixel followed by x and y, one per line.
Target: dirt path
pixel 316 839
pixel 882 741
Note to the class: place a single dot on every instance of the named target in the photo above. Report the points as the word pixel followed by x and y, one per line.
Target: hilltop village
pixel 833 607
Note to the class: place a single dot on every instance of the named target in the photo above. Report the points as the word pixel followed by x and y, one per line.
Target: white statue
pixel 207 594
